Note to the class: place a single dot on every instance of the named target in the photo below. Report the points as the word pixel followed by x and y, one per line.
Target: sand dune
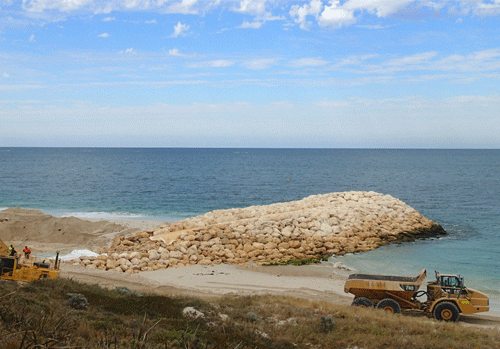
pixel 46 233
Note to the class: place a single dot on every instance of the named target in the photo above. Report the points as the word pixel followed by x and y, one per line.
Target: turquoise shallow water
pixel 460 189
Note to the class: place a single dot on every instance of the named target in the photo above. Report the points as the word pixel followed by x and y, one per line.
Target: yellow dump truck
pixel 446 297
pixel 12 269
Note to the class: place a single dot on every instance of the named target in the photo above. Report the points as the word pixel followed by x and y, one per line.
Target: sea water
pixel 459 189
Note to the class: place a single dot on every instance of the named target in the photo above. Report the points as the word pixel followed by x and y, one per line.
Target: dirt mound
pixel 33 226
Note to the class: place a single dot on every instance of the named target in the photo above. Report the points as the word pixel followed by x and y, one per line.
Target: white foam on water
pixel 172 217
pixel 105 215
pixel 109 215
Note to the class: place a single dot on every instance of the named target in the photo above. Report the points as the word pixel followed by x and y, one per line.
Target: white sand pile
pixel 77 254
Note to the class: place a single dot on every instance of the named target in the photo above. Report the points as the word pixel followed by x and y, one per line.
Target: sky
pixel 250 73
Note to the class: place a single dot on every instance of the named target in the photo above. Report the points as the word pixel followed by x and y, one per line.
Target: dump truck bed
pixel 383 277
pixel 377 287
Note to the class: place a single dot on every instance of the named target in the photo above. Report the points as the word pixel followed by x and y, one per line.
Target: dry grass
pixel 37 315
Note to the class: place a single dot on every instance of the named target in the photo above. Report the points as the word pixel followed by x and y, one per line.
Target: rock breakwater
pixel 317 226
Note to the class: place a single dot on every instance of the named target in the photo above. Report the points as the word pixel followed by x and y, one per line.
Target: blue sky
pixel 250 73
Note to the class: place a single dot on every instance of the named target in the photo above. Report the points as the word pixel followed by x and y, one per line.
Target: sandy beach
pixel 311 282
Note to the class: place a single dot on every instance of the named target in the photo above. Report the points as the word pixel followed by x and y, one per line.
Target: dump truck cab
pixel 447 297
pixel 445 285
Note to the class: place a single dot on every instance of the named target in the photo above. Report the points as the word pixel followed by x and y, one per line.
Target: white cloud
pixel 382 8
pixel 109 19
pixel 221 63
pixel 388 68
pixel 259 64
pixel 103 35
pixel 300 13
pixel 176 53
pixel 60 5
pixel 253 25
pixel 252 7
pixel 486 54
pixel 416 61
pixel 487 9
pixel 457 67
pixel 179 29
pixel 107 6
pixel 5 75
pixel 373 27
pixel 32 38
pixel 184 7
pixel 354 60
pixel 129 51
pixel 487 60
pixel 412 60
pixel 308 62
pixel 336 16
pixel 331 13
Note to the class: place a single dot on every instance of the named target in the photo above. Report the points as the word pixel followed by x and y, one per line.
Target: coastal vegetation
pixel 62 313
pixel 304 261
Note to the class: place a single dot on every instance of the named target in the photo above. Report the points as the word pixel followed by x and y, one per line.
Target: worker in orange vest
pixel 27 252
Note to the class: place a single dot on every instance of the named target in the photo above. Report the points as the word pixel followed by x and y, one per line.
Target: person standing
pixel 27 252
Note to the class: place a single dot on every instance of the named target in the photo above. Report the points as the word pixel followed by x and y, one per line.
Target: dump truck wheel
pixel 446 311
pixel 362 302
pixel 389 305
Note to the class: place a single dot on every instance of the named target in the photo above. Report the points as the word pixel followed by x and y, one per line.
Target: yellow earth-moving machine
pixel 12 269
pixel 446 297
pixel 4 250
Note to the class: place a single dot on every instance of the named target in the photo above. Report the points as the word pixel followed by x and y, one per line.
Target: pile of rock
pixel 317 226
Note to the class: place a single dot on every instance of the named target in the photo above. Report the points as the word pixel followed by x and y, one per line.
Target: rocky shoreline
pixel 314 227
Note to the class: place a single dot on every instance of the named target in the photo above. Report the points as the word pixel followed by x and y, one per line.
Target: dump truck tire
pixel 362 302
pixel 389 305
pixel 446 311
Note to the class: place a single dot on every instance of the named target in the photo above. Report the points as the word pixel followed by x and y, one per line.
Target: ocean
pixel 459 189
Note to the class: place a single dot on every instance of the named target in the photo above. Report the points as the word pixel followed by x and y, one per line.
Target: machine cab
pixel 451 284
pixel 7 265
pixel 451 281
